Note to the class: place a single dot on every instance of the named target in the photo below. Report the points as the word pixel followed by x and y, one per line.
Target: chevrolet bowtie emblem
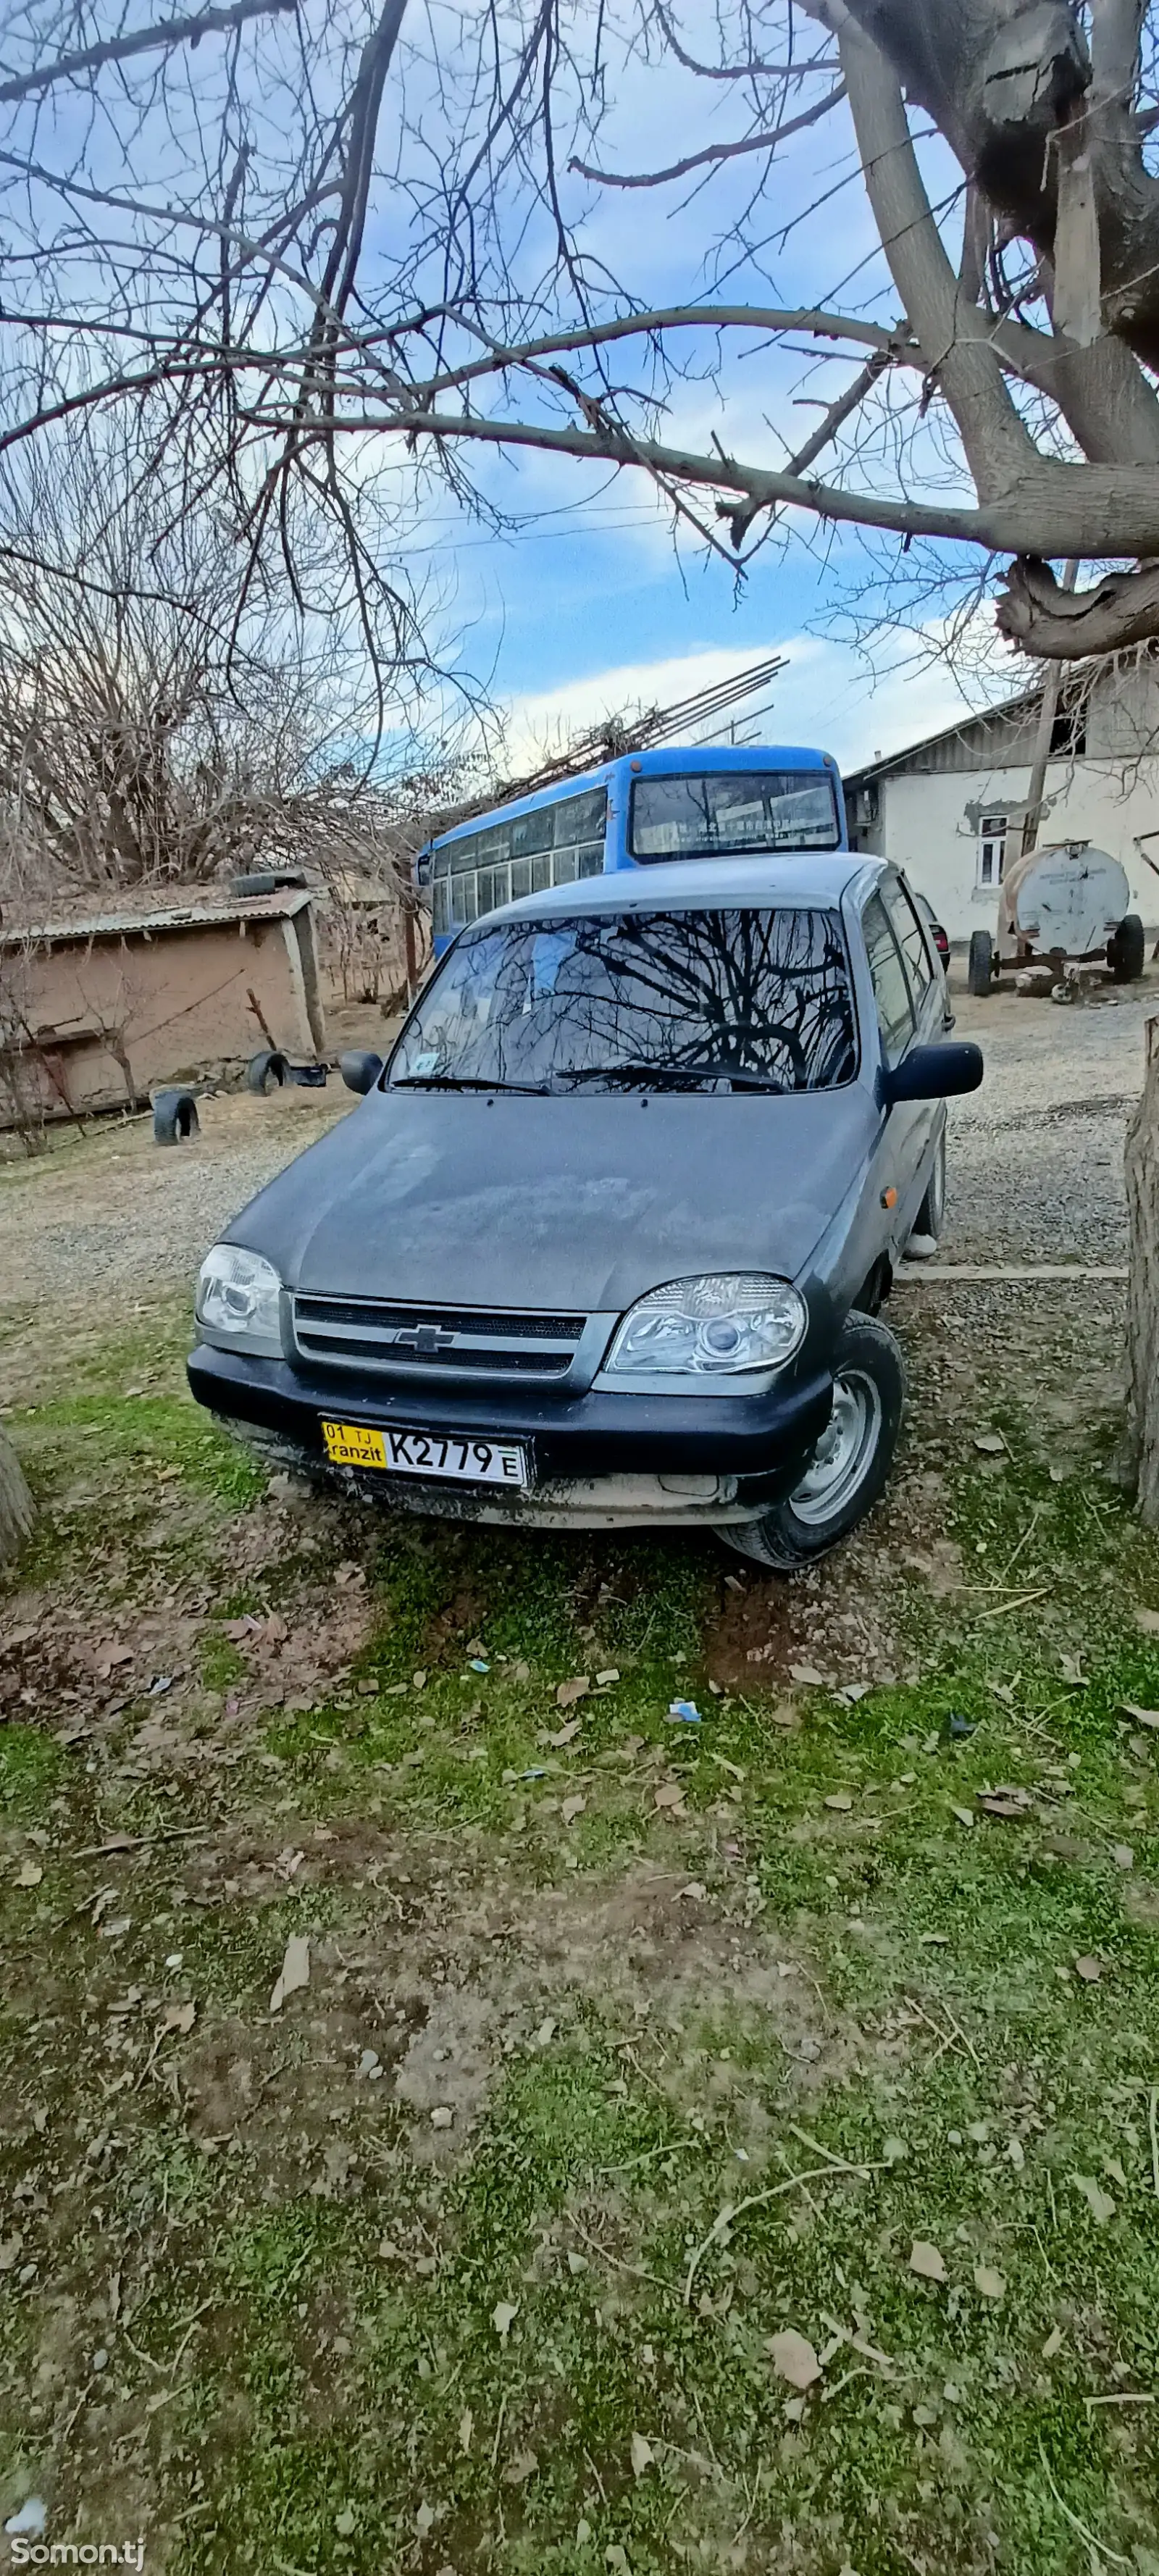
pixel 426 1339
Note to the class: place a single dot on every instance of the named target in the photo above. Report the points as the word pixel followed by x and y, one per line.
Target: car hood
pixel 568 1201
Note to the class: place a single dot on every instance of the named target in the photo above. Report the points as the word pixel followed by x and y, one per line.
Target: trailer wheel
pixel 1127 950
pixel 979 972
pixel 267 1071
pixel 174 1117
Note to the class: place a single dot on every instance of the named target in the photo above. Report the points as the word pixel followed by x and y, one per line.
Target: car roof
pixel 804 877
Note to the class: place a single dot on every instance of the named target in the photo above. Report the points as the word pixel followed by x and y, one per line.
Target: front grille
pixel 348 1332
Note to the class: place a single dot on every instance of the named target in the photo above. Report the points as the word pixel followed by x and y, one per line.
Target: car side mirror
pixel 360 1071
pixel 934 1073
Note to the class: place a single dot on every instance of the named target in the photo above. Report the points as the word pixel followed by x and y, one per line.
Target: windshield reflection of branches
pixel 755 993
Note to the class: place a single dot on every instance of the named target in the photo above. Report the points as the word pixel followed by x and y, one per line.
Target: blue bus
pixel 670 804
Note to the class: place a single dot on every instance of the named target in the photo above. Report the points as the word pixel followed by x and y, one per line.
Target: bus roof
pixel 674 760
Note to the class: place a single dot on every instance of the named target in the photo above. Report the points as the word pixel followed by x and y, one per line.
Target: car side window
pixel 911 938
pixel 891 988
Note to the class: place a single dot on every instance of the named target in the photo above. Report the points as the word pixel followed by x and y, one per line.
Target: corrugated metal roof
pixel 1009 711
pixel 129 916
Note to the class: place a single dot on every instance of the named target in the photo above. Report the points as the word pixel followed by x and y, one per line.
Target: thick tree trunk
pixel 15 1502
pixel 1141 1444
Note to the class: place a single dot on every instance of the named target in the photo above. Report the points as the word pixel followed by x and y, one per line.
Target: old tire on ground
pixel 851 1461
pixel 267 1071
pixel 980 970
pixel 1127 950
pixel 174 1117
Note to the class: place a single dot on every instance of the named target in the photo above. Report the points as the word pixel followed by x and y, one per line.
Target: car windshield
pixel 716 814
pixel 698 999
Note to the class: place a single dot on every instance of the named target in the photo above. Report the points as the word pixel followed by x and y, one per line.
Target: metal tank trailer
pixel 1061 906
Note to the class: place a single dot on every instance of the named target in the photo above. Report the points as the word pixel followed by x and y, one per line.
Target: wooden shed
pixel 101 1002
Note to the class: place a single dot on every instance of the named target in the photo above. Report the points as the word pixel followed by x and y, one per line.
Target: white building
pixel 948 809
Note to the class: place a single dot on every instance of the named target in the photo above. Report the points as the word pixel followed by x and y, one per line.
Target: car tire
pixel 1127 950
pixel 267 1071
pixel 931 1215
pixel 175 1117
pixel 850 1463
pixel 980 970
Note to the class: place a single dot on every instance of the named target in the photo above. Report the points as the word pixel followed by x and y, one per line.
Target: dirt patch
pixel 408 2019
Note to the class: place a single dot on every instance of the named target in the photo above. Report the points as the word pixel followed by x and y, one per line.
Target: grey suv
pixel 607 1238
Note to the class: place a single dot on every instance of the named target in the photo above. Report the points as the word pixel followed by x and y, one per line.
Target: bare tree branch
pixel 714 152
pixel 145 40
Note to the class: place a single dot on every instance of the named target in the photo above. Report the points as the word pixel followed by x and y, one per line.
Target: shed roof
pixel 130 913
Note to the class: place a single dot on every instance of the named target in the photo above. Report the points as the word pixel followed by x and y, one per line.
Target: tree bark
pixel 15 1502
pixel 1141 1441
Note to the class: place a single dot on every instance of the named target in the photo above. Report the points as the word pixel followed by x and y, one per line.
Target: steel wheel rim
pixel 844 1452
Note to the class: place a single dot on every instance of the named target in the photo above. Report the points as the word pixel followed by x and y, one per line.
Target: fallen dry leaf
pixel 1053 2343
pixel 563 1734
pixel 1148 1621
pixel 1123 1855
pixel 604 1679
pixel 179 2017
pixel 841 1800
pixel 1003 1802
pixel 965 1815
pixel 29 1874
pixel 10 2251
pixel 926 2261
pixel 808 1674
pixel 989 2285
pixel 1144 1716
pixel 503 2317
pixel 568 1692
pixel 670 1795
pixel 571 1808
pixel 466 2429
pixel 522 2467
pixel 1098 2201
pixel 643 2455
pixel 295 1970
pixel 991 1442
pixel 793 2358
pixel 1090 1970
pixel 442 2117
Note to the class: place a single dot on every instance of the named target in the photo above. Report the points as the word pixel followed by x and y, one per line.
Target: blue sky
pixel 591 606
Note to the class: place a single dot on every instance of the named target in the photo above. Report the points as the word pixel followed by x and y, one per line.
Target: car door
pixel 903 1132
pixel 918 1137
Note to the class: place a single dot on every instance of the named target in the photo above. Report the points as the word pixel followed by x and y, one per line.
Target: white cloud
pixel 827 696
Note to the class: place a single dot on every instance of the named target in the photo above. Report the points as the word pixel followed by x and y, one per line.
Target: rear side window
pixel 911 939
pixel 890 985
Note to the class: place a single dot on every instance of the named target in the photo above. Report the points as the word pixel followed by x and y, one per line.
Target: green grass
pixel 306 2372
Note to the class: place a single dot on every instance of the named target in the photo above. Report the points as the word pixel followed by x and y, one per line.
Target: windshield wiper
pixel 672 1076
pixel 459 1082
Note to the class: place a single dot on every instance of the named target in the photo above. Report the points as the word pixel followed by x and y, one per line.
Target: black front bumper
pixel 763 1440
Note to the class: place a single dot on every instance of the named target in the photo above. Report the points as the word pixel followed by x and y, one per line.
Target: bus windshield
pixel 745 999
pixel 707 814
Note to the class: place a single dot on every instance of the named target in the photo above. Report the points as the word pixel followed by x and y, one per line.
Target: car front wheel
pixel 852 1459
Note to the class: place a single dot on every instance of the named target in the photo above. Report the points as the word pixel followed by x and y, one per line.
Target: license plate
pixel 427 1453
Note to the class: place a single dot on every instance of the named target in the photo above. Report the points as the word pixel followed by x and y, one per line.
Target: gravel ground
pixel 1035 1162
pixel 1036 1156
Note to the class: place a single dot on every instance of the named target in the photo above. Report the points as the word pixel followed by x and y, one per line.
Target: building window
pixel 992 849
pixel 1068 733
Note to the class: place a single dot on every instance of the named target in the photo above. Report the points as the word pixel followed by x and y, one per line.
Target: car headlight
pixel 730 1324
pixel 239 1296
